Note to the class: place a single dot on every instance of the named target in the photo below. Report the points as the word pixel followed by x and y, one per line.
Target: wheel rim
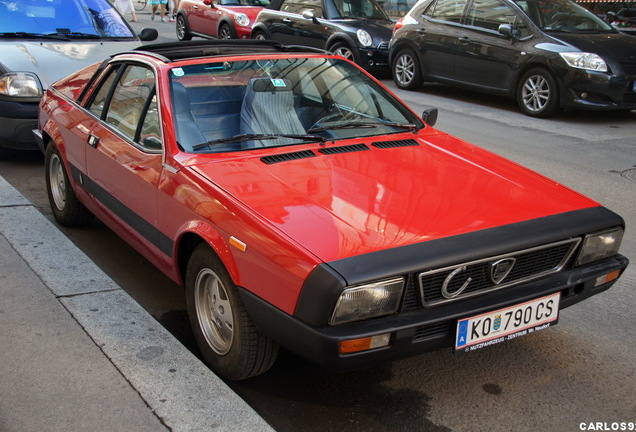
pixel 344 52
pixel 181 31
pixel 57 182
pixel 214 311
pixel 259 36
pixel 225 33
pixel 404 69
pixel 535 93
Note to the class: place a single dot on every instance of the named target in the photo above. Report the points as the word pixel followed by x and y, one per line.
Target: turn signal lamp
pixel 364 344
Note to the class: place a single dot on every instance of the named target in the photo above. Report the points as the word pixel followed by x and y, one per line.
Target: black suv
pixel 546 54
pixel 358 30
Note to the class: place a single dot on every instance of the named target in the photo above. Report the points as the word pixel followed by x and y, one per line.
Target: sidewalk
pixel 78 354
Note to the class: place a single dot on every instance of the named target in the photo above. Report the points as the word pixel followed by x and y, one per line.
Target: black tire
pixel 226 32
pixel 406 70
pixel 259 35
pixel 225 334
pixel 538 93
pixel 344 50
pixel 183 32
pixel 66 208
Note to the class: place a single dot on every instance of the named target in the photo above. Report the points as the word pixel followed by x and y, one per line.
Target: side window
pixel 100 99
pixel 490 14
pixel 150 136
pixel 300 6
pixel 129 99
pixel 447 10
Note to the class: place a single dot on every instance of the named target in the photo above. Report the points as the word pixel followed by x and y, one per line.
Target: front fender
pixel 190 235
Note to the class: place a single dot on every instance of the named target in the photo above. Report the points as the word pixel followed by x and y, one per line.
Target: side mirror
pixel 506 30
pixel 430 116
pixel 148 34
pixel 308 14
pixel 153 142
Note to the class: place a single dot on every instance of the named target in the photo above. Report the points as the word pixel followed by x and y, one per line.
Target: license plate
pixel 508 323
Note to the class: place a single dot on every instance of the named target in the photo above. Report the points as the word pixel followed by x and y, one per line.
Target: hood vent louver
pixel 285 157
pixel 344 149
pixel 398 143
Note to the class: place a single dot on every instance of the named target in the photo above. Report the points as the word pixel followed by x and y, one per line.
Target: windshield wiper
pixel 34 35
pixel 354 125
pixel 249 137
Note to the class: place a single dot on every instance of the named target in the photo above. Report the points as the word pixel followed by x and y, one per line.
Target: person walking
pixel 155 5
pixel 124 7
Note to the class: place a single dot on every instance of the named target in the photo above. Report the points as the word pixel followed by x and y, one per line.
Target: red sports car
pixel 302 204
pixel 224 19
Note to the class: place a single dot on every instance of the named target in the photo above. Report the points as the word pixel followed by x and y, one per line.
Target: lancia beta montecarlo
pixel 302 205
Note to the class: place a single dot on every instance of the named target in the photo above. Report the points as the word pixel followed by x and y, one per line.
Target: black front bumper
pixel 422 330
pixel 17 122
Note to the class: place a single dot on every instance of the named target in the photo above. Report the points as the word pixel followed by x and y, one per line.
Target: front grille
pixel 384 45
pixel 478 276
pixel 628 65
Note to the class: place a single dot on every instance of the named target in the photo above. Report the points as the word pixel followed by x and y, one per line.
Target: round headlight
pixel 364 38
pixel 20 84
pixel 242 19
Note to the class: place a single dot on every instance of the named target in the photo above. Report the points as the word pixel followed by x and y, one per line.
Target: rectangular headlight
pixel 600 245
pixel 368 301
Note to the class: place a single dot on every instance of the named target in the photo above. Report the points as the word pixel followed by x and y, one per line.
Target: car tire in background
pixel 406 70
pixel 66 208
pixel 538 93
pixel 344 50
pixel 225 334
pixel 183 32
pixel 225 32
pixel 259 35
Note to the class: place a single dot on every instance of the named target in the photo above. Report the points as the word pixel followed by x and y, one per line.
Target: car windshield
pixel 61 19
pixel 229 106
pixel 562 15
pixel 360 9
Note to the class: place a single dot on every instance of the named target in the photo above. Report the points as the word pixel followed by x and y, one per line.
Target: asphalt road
pixel 581 371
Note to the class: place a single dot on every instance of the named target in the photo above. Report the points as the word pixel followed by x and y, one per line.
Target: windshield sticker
pixel 178 72
pixel 277 82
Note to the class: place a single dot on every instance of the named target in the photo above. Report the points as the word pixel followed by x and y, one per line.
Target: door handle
pixel 92 141
pixel 464 39
pixel 287 20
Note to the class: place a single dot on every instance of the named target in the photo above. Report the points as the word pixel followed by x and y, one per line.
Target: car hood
pixel 617 45
pixel 51 61
pixel 361 201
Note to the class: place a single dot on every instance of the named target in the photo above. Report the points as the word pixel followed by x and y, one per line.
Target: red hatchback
pixel 226 19
pixel 301 204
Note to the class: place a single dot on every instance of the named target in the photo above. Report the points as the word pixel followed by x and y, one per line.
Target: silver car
pixel 43 41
